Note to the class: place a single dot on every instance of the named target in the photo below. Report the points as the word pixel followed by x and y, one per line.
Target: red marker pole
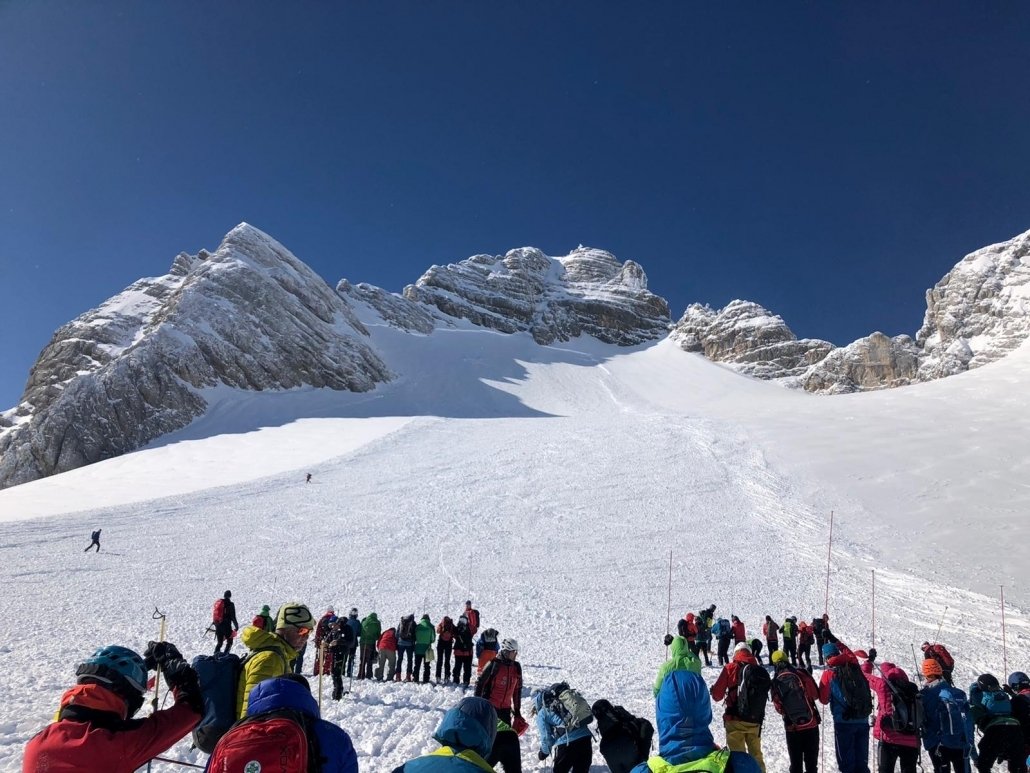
pixel 829 547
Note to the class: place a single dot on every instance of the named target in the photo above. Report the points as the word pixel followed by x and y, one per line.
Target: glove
pixel 541 756
pixel 519 725
pixel 667 639
pixel 182 678
pixel 872 654
pixel 157 652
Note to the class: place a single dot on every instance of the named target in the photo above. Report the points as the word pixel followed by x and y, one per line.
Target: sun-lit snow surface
pixel 550 484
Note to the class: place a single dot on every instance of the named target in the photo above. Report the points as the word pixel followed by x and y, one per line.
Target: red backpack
pixel 218 613
pixel 283 741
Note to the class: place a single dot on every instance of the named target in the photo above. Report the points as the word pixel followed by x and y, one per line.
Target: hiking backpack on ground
pixel 851 690
pixel 283 741
pixel 570 706
pixel 797 710
pixel 752 693
pixel 906 715
pixel 218 611
pixel 952 709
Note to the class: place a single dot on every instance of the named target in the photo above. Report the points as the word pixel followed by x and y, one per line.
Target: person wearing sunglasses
pixel 273 654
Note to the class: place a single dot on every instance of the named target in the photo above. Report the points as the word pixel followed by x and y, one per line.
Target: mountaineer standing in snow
pixel 789 629
pixel 724 635
pixel 844 687
pixel 387 660
pixel 94 541
pixel 353 639
pixel 806 638
pixel 681 658
pixel 324 656
pixel 486 648
pixel 501 685
pixel 794 693
pixel 223 618
pixel 947 729
pixel 744 684
pixel 273 653
pixel 405 646
pixel 462 652
pixel 940 653
pixel 896 725
pixel 472 616
pixel 821 630
pixel 770 630
pixel 444 643
pixel 563 726
pixel 371 630
pixel 737 629
pixel 425 635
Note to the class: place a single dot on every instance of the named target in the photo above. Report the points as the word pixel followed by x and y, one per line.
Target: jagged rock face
pixel 249 316
pixel 554 299
pixel 979 311
pixel 394 309
pixel 750 338
pixel 874 362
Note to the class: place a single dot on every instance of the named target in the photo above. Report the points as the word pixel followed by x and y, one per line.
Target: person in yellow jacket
pixel 271 654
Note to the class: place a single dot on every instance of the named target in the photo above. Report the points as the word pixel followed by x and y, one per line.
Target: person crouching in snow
pixel 683 712
pixel 95 731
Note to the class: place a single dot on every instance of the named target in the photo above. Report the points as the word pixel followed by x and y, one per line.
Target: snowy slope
pixel 549 484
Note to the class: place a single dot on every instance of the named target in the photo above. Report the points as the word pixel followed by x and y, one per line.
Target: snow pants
pixel 746 737
pixel 888 754
pixel 724 650
pixel 947 760
pixel 1002 742
pixel 805 653
pixel 223 633
pixel 790 649
pixel 463 663
pixel 402 650
pixel 852 746
pixel 91 544
pixel 337 672
pixel 387 664
pixel 421 668
pixel 443 660
pixel 368 656
pixel 505 750
pixel 803 749
pixel 704 649
pixel 351 657
pixel 575 756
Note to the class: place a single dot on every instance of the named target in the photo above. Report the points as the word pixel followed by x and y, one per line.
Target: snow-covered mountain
pixel 978 313
pixel 250 316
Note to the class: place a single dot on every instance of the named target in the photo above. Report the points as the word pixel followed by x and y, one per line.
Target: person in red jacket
pixel 737 629
pixel 472 617
pixel 387 646
pixel 95 731
pixel 896 746
pixel 794 693
pixel 742 733
pixel 501 684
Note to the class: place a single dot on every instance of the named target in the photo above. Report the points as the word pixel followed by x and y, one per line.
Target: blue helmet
pixel 119 667
pixel 1018 680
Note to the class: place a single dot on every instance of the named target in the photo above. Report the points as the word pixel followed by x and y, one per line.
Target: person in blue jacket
pixel 292 692
pixel 466 734
pixel 683 712
pixel 573 749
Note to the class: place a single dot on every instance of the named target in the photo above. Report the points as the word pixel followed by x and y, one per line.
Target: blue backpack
pixel 721 628
pixel 951 716
pixel 996 702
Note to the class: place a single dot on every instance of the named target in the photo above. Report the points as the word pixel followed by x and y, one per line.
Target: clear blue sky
pixel 828 160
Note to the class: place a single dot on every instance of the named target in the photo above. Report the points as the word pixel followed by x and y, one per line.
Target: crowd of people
pixel 272 720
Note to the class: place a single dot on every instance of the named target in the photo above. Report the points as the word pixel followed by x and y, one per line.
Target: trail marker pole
pixel 829 548
pixel 940 625
pixel 668 611
pixel 1004 645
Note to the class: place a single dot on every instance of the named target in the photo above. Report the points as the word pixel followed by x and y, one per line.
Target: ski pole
pixel 668 611
pixel 915 662
pixel 158 615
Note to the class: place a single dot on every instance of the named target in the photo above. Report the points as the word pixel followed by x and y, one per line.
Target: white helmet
pixel 742 647
pixel 509 645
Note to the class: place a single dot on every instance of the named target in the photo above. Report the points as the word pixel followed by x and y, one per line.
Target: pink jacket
pixel 884 704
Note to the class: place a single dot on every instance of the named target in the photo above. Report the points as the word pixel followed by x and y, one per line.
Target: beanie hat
pixel 294 614
pixel 742 647
pixel 779 657
pixel 932 669
pixel 830 649
pixel 264 609
pixel 353 611
pixel 227 594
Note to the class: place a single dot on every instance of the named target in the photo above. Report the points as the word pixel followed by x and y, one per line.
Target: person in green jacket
pixel 371 630
pixel 680 659
pixel 425 635
pixel 273 653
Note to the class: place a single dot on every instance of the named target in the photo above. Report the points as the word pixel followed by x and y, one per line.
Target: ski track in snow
pixel 559 525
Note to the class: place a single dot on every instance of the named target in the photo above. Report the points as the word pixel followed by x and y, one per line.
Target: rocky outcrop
pixel 978 312
pixel 747 336
pixel 248 316
pixel 394 309
pixel 874 362
pixel 554 299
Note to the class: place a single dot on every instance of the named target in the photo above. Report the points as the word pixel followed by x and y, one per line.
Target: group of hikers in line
pixel 266 716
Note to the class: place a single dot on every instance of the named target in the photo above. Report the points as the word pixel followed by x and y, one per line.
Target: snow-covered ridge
pixel 979 312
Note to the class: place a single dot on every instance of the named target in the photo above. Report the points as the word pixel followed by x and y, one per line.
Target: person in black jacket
pixel 224 628
pixel 95 537
pixel 462 652
pixel 625 739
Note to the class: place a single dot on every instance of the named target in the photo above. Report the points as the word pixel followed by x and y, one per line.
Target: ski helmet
pixel 1019 680
pixel 121 670
pixel 509 645
pixel 988 682
pixel 742 647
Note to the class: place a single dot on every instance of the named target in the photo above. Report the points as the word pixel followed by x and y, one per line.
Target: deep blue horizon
pixel 828 162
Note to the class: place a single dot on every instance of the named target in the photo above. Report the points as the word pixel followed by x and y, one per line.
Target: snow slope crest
pixel 250 316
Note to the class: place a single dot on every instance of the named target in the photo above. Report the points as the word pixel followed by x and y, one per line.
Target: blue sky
pixel 828 160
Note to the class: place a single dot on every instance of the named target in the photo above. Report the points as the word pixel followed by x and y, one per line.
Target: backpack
pixel 797 709
pixel 283 740
pixel 219 677
pixel 787 630
pixel 617 719
pixel 996 702
pixel 218 613
pixel 347 639
pixel 807 637
pixel 940 653
pixel 570 706
pixel 752 693
pixel 721 628
pixel 818 626
pixel 406 630
pixel 906 715
pixel 851 690
pixel 951 716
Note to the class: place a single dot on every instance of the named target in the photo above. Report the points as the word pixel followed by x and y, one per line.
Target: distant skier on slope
pixel 95 537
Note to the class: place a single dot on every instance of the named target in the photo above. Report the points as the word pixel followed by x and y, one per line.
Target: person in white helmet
pixel 501 685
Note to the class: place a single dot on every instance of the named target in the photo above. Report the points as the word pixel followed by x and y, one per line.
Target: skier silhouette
pixel 95 536
pixel 308 479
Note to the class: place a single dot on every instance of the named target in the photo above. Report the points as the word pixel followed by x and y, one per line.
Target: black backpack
pixel 616 721
pixel 851 690
pixel 797 710
pixel 906 708
pixel 752 693
pixel 407 629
